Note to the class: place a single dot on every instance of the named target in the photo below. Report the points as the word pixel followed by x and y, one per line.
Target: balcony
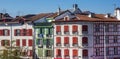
pixel 58 44
pixel 66 44
pixel 48 35
pixel 58 33
pixel 85 45
pixel 75 33
pixel 40 46
pixel 75 44
pixel 40 35
pixel 85 32
pixel 66 33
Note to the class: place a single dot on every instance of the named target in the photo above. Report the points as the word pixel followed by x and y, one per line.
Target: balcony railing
pixel 85 32
pixel 58 44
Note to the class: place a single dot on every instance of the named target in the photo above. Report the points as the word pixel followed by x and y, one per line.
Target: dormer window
pixel 66 18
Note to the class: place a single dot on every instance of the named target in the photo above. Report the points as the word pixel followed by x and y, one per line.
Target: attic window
pixel 66 18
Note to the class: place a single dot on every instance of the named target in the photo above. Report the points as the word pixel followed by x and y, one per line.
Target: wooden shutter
pixel 2 42
pixel 8 43
pixel 58 28
pixel 0 32
pixel 24 42
pixel 85 53
pixel 18 42
pixel 66 40
pixel 66 52
pixel 31 52
pixel 15 32
pixel 8 32
pixel 75 40
pixel 75 52
pixel 58 40
pixel 84 40
pixel 66 28
pixel 30 42
pixel 58 52
pixel 84 28
pixel 30 32
pixel 75 28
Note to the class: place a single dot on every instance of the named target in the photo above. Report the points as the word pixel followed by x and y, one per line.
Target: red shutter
pixel 8 43
pixel 30 32
pixel 17 42
pixel 31 52
pixel 58 28
pixel 84 28
pixel 75 52
pixel 75 40
pixel 21 32
pixel 84 40
pixel 66 28
pixel 15 32
pixel 58 52
pixel 0 32
pixel 58 40
pixel 2 42
pixel 30 42
pixel 66 52
pixel 66 40
pixel 24 42
pixel 8 32
pixel 75 28
pixel 85 53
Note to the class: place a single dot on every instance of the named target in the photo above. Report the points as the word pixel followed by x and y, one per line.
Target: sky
pixel 24 7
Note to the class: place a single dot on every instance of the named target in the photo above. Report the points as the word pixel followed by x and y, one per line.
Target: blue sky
pixel 23 7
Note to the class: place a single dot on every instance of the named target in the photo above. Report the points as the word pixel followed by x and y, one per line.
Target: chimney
pixel 107 15
pixel 58 11
pixel 117 13
pixel 75 6
pixel 91 15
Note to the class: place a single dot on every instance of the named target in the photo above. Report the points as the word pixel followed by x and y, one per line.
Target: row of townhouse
pixel 69 34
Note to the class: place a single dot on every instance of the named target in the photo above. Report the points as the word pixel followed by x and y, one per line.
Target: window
pixel 66 41
pixel 24 42
pixel 97 51
pixel 107 39
pixel 107 51
pixel 75 41
pixel 17 32
pixel 85 41
pixel 75 29
pixel 48 45
pixel 6 32
pixel 24 32
pixel 75 53
pixel 97 27
pixel 66 52
pixel 115 39
pixel 48 53
pixel 58 52
pixel 40 43
pixel 5 43
pixel 18 42
pixel 58 41
pixel 85 29
pixel 115 27
pixel 58 29
pixel 97 39
pixel 107 28
pixel 30 42
pixel 66 18
pixel 66 29
pixel 85 53
pixel 115 50
pixel 30 52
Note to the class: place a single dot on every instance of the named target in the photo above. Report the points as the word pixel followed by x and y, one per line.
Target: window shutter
pixel 8 32
pixel 85 53
pixel 30 42
pixel 30 32
pixel 24 42
pixel 30 52
pixel 75 28
pixel 66 52
pixel 15 32
pixel 75 52
pixel 84 40
pixel 75 40
pixel 66 40
pixel 8 42
pixel 2 42
pixel 21 32
pixel 84 28
pixel 58 28
pixel 58 52
pixel 66 28
pixel 2 32
pixel 58 40
pixel 17 42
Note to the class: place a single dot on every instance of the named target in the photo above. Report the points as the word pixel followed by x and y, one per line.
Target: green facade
pixel 44 39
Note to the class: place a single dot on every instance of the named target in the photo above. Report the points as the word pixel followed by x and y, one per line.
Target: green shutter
pixel 47 30
pixel 40 52
pixel 43 31
pixel 51 31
